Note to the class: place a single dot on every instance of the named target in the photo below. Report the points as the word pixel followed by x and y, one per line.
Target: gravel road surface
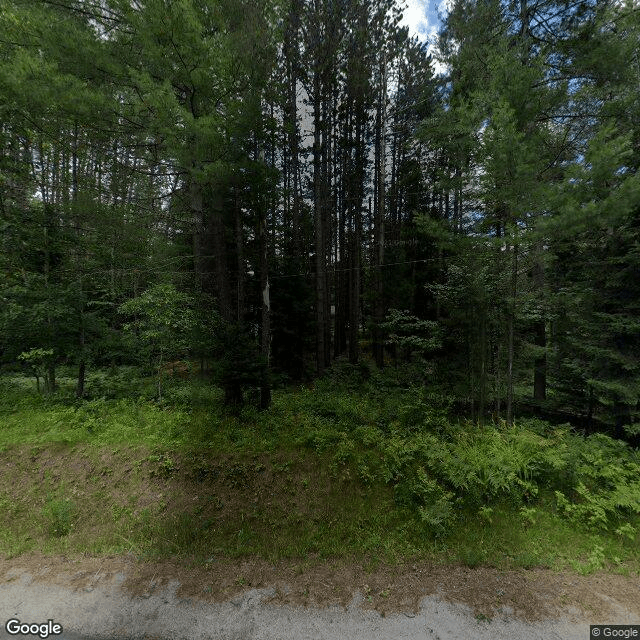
pixel 107 611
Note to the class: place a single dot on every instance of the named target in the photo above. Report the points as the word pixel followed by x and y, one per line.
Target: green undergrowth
pixel 360 464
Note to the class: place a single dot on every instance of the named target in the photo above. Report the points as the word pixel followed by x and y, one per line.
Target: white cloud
pixel 415 17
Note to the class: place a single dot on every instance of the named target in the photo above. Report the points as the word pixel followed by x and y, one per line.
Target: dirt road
pixel 118 598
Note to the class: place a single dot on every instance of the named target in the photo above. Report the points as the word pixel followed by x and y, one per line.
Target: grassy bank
pixel 357 466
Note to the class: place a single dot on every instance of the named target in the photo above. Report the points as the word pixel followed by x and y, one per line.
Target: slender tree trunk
pixel 240 258
pixel 195 195
pixel 220 257
pixel 160 363
pixel 327 218
pixel 380 217
pixel 354 304
pixel 540 363
pixel 510 332
pixel 318 228
pixel 483 366
pixel 265 313
pixel 590 403
pixel 82 364
pixel 497 390
pixel 292 64
pixel 50 367
pixel 356 197
pixel 265 338
pixel 81 373
pixel 342 279
pixel 78 219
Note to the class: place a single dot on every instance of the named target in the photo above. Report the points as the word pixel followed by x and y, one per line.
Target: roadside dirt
pixel 530 595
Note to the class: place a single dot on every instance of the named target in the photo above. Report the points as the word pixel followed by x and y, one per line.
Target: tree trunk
pixel 510 332
pixel 497 387
pixel 195 195
pixel 622 413
pixel 265 334
pixel 354 303
pixel 220 258
pixel 50 377
pixel 540 364
pixel 341 278
pixel 233 396
pixel 240 257
pixel 378 346
pixel 319 243
pixel 356 196
pixel 298 265
pixel 81 364
pixel 327 219
pixel 483 366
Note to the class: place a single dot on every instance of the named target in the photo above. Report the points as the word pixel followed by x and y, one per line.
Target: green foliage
pixel 116 383
pixel 163 325
pixel 59 513
pixel 595 561
pixel 238 363
pixel 29 418
pixel 472 556
pixel 529 515
pixel 433 464
pixel 434 505
pixel 437 470
pixel 163 465
pixel 606 484
pixel 397 488
pixel 627 531
pixel 39 361
pixel 162 322
pixel 411 334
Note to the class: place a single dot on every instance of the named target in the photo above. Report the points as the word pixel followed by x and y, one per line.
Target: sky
pixel 421 16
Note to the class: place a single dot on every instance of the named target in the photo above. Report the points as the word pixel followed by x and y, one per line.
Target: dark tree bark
pixel 378 242
pixel 540 337
pixel 318 220
pixel 540 364
pixel 265 336
pixel 511 331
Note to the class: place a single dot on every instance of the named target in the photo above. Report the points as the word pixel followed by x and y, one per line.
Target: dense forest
pixel 282 283
pixel 257 189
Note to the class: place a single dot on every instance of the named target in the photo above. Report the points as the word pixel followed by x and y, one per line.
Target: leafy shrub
pixel 349 376
pixel 489 463
pixel 595 561
pixel 606 488
pixel 433 465
pixel 163 466
pixel 410 333
pixel 123 382
pixel 424 411
pixel 423 494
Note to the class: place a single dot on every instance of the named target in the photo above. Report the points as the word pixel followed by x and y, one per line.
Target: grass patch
pixel 362 468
